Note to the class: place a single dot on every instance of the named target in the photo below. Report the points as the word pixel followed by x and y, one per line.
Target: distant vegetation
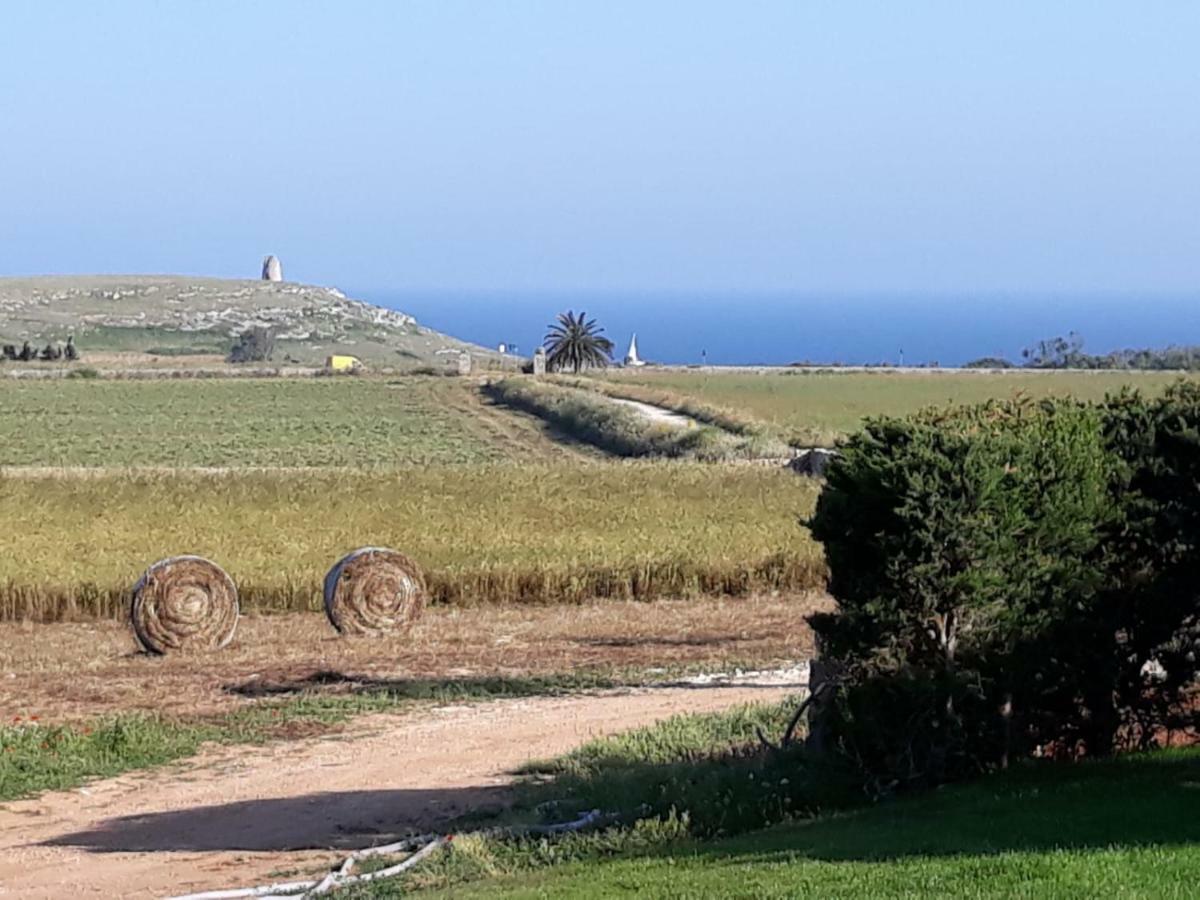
pixel 575 343
pixel 1067 353
pixel 52 352
pixel 255 344
pixel 988 362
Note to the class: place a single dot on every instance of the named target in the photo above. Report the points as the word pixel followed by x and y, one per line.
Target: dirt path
pixel 656 414
pixel 245 815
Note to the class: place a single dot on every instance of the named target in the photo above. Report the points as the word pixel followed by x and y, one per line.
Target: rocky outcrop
pixel 310 322
pixel 294 311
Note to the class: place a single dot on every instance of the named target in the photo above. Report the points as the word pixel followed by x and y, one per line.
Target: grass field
pixel 1124 827
pixel 817 407
pixel 1120 829
pixel 343 422
pixel 534 533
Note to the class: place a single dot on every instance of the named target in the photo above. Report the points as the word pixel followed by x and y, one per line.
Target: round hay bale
pixel 184 602
pixel 374 590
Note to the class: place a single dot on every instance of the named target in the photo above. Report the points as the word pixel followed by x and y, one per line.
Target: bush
pixel 1153 599
pixel 255 344
pixel 995 592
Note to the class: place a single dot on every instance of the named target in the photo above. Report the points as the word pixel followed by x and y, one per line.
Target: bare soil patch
pixel 75 671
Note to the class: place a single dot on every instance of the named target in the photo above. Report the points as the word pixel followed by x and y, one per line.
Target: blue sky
pixel 919 146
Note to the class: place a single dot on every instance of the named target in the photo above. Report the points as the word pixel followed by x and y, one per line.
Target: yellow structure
pixel 343 363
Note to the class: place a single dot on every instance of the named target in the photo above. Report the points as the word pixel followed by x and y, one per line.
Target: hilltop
pixel 144 317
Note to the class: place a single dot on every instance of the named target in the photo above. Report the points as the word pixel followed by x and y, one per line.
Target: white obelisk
pixel 631 358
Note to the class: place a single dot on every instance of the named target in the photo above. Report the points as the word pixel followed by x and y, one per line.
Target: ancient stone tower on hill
pixel 272 270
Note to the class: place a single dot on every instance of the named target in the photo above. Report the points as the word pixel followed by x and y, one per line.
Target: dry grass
pixel 72 548
pixel 73 672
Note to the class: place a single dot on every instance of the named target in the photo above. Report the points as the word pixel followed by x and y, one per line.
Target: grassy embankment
pixel 815 408
pixel 1123 827
pixel 583 414
pixel 718 417
pixel 540 533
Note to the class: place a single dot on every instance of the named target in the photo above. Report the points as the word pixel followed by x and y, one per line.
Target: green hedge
pixel 1003 574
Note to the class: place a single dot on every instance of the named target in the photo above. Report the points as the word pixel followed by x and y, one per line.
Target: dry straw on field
pixel 374 590
pixel 185 602
pixel 487 534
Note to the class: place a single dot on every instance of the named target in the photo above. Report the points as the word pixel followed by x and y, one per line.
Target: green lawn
pixel 827 404
pixel 1127 828
pixel 241 422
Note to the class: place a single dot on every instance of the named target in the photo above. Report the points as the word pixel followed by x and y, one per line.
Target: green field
pixel 1120 829
pixel 530 533
pixel 701 814
pixel 819 406
pixel 288 422
pixel 383 423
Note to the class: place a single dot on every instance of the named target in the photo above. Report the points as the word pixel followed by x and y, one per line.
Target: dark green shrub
pixel 255 344
pixel 1153 599
pixel 963 547
pixel 1013 578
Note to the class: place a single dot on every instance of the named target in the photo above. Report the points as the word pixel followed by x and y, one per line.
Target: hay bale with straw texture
pixel 185 602
pixel 374 590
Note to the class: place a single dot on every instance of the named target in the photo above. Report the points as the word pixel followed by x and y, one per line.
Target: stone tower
pixel 272 270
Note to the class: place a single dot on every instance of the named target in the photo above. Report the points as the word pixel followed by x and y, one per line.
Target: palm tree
pixel 575 343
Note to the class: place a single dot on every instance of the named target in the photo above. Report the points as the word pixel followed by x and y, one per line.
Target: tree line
pixel 1068 353
pixel 50 353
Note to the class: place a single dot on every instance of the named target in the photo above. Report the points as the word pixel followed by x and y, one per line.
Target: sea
pixel 845 329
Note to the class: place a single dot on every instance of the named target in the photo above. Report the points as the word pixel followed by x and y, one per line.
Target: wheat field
pixel 72 547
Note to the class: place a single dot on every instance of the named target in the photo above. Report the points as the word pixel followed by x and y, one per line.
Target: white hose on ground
pixel 341 877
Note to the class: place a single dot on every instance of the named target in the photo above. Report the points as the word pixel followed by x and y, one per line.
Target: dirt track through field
pixel 247 815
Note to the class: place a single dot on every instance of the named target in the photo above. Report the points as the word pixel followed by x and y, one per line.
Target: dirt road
pixel 244 815
pixel 655 414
